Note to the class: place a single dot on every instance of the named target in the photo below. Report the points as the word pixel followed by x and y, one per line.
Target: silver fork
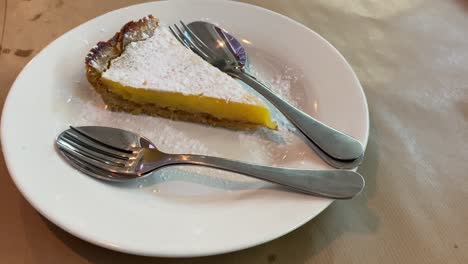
pixel 343 150
pixel 193 42
pixel 136 162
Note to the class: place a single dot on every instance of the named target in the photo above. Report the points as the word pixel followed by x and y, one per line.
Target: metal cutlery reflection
pixel 117 155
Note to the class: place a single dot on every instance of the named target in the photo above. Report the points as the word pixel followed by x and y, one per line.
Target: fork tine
pixel 110 146
pixel 179 38
pixel 194 36
pixel 86 155
pixel 189 41
pixel 96 145
pixel 93 170
pixel 69 143
pixel 71 151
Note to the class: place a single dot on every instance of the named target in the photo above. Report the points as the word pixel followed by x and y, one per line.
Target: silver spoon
pixel 337 149
pixel 117 155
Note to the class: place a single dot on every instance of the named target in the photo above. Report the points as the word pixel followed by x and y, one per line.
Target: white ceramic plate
pixel 178 211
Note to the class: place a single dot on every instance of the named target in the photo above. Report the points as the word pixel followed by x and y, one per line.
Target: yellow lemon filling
pixel 218 108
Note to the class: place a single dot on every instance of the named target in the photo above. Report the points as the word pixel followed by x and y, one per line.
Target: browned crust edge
pixel 99 58
pixel 100 55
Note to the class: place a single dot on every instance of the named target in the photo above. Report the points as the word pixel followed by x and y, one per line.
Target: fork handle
pixel 333 142
pixel 336 184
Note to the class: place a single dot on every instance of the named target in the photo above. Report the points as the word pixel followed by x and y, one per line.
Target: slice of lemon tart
pixel 143 69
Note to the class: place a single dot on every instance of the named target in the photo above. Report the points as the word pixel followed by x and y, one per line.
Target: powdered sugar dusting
pixel 280 83
pixel 161 132
pixel 280 79
pixel 83 106
pixel 87 108
pixel 79 104
pixel 162 63
pixel 263 140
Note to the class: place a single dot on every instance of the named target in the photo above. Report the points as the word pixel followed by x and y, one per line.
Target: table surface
pixel 411 57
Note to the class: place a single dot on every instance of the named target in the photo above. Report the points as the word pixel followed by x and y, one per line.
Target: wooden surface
pixel 411 57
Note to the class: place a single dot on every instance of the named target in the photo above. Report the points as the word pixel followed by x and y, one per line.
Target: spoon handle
pixel 334 143
pixel 335 184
